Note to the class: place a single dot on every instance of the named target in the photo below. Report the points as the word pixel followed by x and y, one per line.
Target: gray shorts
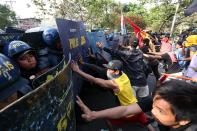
pixel 141 91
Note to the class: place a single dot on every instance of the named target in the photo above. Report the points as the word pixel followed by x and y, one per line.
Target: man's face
pixel 178 46
pixel 162 112
pixel 27 61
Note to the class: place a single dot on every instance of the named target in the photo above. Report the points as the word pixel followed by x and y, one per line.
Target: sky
pixel 21 8
pixel 23 11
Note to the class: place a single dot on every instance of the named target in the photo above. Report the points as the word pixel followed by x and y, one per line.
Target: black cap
pixel 114 65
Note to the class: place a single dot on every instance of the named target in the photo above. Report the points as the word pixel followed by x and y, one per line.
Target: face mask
pixel 112 76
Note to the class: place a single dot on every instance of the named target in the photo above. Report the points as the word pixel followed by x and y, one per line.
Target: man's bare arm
pixel 99 81
pixel 104 83
pixel 112 113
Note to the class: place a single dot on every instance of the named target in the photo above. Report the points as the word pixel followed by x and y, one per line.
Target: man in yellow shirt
pixel 119 83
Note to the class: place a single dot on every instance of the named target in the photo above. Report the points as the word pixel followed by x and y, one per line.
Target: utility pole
pixel 174 19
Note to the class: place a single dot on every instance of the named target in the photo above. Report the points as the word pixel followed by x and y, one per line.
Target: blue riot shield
pixel 49 107
pixel 95 37
pixel 74 40
pixel 73 37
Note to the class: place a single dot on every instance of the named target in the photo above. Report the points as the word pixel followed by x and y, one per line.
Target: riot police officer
pixel 25 56
pixel 52 41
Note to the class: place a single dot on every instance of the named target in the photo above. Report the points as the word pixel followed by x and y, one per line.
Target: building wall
pixel 28 23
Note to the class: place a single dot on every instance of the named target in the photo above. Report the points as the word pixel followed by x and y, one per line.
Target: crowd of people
pixel 172 103
pixel 172 61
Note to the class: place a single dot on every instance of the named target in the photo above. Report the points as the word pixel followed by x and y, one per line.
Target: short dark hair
pixel 182 97
pixel 146 41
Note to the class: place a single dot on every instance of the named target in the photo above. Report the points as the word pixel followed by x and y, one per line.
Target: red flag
pixel 137 31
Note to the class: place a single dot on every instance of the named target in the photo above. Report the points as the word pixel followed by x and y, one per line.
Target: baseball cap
pixel 114 65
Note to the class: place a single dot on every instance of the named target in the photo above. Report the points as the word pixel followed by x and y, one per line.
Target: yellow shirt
pixel 126 94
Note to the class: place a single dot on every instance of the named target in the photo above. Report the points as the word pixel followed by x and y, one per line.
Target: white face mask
pixel 112 76
pixel 109 76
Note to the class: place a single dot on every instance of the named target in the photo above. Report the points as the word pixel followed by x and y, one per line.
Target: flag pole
pixel 123 30
pixel 174 19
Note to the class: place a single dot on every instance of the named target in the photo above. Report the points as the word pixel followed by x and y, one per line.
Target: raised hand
pixel 74 66
pixel 88 114
pixel 80 59
pixel 99 44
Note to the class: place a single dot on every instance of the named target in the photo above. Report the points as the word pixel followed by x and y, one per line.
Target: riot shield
pixel 74 40
pixel 95 37
pixel 49 107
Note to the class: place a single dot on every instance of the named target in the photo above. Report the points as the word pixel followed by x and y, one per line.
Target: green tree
pixel 7 16
pixel 161 13
pixel 92 12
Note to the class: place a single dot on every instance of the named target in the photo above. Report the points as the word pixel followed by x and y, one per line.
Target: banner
pixel 49 107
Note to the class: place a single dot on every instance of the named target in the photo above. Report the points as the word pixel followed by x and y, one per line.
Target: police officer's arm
pixel 112 113
pixel 104 83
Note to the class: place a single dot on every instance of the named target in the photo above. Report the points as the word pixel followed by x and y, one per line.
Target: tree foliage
pixel 154 14
pixel 160 15
pixel 92 12
pixel 136 13
pixel 7 16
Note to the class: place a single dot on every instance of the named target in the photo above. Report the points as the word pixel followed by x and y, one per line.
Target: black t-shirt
pixel 144 49
pixel 146 103
pixel 166 58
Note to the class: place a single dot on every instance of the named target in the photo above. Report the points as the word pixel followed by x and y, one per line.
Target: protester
pixel 133 66
pixel 151 62
pixel 119 83
pixel 191 71
pixel 179 54
pixel 174 105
